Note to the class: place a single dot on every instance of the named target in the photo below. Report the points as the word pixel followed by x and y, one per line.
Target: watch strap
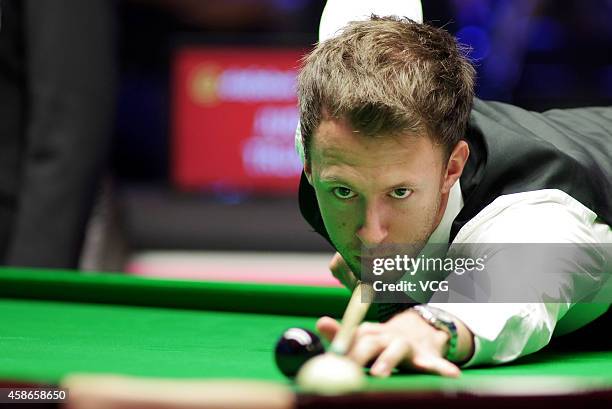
pixel 441 321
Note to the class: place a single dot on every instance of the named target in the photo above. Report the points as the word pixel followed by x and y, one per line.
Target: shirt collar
pixel 454 205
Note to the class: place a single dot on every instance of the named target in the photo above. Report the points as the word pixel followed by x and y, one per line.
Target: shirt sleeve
pixel 506 331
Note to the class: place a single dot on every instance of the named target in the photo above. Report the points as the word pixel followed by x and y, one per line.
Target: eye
pixel 400 193
pixel 344 193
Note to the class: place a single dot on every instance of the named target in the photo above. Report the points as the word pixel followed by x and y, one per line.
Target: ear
pixel 308 172
pixel 454 167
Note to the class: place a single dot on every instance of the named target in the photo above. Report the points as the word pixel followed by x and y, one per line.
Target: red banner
pixel 234 118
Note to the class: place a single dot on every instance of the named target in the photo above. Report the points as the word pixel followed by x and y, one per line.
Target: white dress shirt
pixel 506 331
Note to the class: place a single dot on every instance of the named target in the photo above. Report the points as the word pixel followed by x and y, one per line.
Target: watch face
pixel 441 316
pixel 437 313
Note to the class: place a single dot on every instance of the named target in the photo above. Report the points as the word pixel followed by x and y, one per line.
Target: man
pixel 396 150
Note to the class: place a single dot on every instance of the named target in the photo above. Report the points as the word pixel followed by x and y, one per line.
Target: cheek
pixel 413 220
pixel 427 202
pixel 338 220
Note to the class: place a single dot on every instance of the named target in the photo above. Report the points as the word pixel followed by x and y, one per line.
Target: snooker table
pixel 171 335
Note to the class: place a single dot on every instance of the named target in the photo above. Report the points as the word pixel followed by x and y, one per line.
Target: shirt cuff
pixel 503 331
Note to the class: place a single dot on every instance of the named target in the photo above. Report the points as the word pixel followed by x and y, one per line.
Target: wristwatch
pixel 442 321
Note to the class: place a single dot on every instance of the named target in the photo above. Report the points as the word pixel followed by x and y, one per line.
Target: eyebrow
pixel 332 179
pixel 335 179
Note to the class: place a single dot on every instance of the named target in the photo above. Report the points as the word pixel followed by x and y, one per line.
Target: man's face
pixel 376 190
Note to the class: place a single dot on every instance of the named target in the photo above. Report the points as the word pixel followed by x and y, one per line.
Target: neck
pixel 441 209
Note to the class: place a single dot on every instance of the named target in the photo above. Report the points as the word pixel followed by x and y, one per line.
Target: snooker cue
pixel 99 391
pixel 353 316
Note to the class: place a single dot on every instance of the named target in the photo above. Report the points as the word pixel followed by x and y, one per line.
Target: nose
pixel 373 230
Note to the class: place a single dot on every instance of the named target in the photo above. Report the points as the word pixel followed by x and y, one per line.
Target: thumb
pixel 328 327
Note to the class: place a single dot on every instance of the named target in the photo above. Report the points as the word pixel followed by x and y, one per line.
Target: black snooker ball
pixel 294 348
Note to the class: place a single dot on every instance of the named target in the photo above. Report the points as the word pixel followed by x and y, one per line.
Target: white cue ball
pixel 330 374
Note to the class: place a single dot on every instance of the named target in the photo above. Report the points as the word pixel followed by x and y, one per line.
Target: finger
pixel 436 365
pixel 337 265
pixel 328 327
pixel 368 328
pixel 345 279
pixel 396 352
pixel 366 348
pixel 350 281
pixel 342 272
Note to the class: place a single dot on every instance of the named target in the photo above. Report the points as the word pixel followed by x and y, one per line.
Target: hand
pixel 404 340
pixel 342 272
